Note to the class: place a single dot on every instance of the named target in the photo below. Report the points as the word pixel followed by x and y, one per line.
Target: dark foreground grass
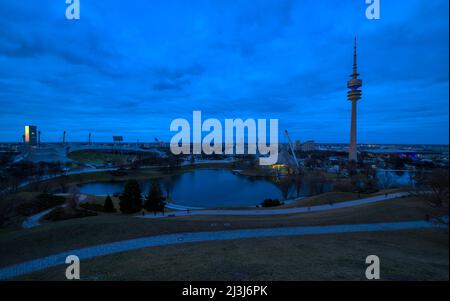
pixel 26 244
pixel 405 255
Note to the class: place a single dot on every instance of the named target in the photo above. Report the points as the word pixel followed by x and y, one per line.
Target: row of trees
pixel 362 180
pixel 131 200
pixel 292 184
pixel 15 174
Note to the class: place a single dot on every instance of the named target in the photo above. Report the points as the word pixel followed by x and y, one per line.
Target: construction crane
pixel 292 148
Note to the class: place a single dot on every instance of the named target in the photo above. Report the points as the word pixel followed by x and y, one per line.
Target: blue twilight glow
pixel 130 67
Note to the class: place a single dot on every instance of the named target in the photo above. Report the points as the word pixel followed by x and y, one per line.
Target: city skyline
pixel 125 70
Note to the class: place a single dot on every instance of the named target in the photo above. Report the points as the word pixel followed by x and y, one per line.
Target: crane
pixel 292 148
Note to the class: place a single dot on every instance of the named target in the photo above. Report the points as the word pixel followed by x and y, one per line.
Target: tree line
pixel 131 200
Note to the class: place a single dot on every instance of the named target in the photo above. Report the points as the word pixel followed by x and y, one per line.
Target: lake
pixel 207 188
pixel 210 188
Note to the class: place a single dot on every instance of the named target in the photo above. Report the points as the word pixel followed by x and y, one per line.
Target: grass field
pixel 404 255
pixel 407 255
pixel 25 244
pixel 337 197
pixel 97 157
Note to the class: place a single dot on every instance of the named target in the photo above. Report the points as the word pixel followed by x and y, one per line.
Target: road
pixel 193 237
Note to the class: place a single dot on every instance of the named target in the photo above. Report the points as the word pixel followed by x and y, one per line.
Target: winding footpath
pixel 33 221
pixel 346 204
pixel 193 237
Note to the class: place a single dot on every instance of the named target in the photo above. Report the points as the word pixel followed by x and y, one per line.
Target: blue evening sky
pixel 130 67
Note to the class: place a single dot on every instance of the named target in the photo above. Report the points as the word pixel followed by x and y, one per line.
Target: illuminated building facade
pixel 31 135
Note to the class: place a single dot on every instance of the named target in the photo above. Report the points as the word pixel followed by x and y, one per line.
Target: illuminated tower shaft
pixel 353 95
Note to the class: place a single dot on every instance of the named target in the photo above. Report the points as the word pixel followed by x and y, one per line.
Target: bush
pixel 155 200
pixel 131 198
pixel 271 203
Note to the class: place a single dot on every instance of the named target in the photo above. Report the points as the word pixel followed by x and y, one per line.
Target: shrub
pixel 271 203
pixel 155 199
pixel 109 206
pixel 131 198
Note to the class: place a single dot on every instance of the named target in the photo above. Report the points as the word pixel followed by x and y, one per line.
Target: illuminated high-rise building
pixel 31 135
pixel 354 95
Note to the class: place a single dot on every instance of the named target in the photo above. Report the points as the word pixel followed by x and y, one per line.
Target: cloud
pixel 132 67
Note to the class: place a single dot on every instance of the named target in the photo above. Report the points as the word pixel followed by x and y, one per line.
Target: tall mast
pixel 354 95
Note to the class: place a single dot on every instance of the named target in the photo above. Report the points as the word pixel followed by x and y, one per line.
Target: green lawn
pixel 91 157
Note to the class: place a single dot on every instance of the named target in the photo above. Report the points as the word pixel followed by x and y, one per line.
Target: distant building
pixel 309 146
pixel 31 135
pixel 117 139
pixel 298 145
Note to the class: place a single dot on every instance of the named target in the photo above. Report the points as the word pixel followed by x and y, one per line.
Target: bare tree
pixel 168 185
pixel 63 183
pixel 434 187
pixel 386 180
pixel 73 198
pixel 285 184
pixel 298 183
pixel 316 182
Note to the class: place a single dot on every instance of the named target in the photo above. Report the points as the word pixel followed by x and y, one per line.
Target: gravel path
pixel 370 200
pixel 181 238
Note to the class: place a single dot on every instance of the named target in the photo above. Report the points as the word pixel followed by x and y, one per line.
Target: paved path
pixel 370 200
pixel 33 221
pixel 192 237
pixel 181 207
